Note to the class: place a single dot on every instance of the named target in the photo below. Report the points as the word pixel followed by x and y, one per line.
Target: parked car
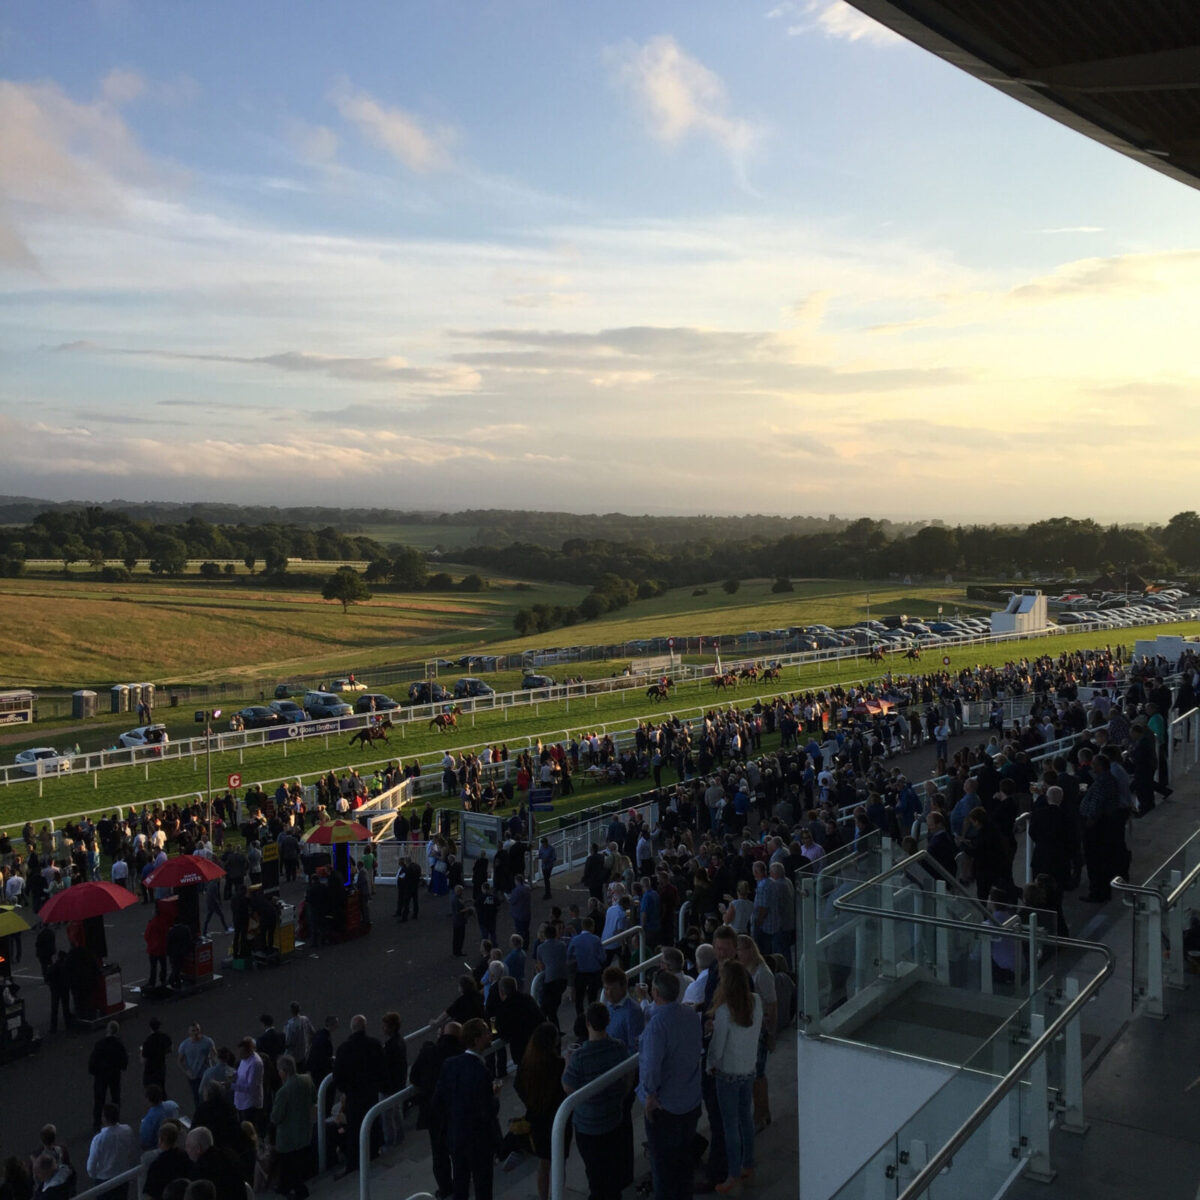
pixel 422 692
pixel 145 735
pixel 284 690
pixel 471 687
pixel 43 760
pixel 289 711
pixel 530 682
pixel 347 683
pixel 325 704
pixel 258 716
pixel 374 702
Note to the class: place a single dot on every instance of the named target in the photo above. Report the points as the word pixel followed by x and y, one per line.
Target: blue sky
pixel 666 258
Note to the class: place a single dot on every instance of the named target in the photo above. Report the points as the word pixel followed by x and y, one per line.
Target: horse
pixel 876 654
pixel 659 691
pixel 721 682
pixel 375 732
pixel 771 673
pixel 913 654
pixel 446 720
pixel 750 673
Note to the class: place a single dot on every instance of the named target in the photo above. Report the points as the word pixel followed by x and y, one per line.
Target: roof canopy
pixel 1124 72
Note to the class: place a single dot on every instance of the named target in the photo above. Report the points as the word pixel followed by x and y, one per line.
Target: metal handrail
pixel 323 1092
pixel 941 1159
pixel 364 1131
pixel 102 1189
pixel 618 938
pixel 558 1131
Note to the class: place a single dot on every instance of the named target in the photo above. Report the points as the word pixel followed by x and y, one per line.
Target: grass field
pixel 551 722
pixel 423 537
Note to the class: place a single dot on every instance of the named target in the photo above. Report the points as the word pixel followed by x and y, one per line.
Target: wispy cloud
pixel 834 19
pixel 419 146
pixel 681 98
pixel 1074 229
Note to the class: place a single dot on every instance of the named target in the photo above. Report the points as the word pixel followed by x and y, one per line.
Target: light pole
pixel 206 717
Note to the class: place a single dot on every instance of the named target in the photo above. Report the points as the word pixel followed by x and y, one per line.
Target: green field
pixel 550 721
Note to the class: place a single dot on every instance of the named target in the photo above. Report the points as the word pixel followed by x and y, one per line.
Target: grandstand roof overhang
pixel 1124 72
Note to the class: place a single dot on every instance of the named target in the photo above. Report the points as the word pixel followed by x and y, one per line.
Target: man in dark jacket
pixel 595 875
pixel 517 1017
pixel 395 1076
pixel 465 1094
pixel 358 1074
pixel 108 1059
pixel 424 1077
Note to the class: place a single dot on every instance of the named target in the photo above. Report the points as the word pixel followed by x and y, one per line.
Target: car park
pixel 423 692
pixel 256 716
pixel 374 702
pixel 325 704
pixel 43 760
pixel 288 711
pixel 145 735
pixel 467 687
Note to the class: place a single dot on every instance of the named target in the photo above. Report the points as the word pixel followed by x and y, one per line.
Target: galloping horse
pixel 750 673
pixel 446 720
pixel 728 680
pixel 659 691
pixel 876 654
pixel 375 732
pixel 913 654
pixel 772 672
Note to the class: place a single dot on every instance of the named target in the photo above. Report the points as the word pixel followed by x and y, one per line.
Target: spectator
pixel 539 1084
pixel 291 1116
pixel 170 1163
pixel 196 1054
pixel 732 1053
pixel 465 1096
pixel 160 1110
pixel 113 1151
pixel 109 1060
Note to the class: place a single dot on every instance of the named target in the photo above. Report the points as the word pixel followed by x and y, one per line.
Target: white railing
pixel 1184 730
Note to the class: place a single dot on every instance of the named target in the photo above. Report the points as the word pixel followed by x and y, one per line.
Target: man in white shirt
pixel 705 957
pixel 114 1149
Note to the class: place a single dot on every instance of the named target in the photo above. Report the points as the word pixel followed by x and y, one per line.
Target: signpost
pixel 234 781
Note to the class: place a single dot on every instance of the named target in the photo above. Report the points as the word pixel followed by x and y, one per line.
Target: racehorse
pixel 659 691
pixel 913 654
pixel 375 732
pixel 750 673
pixel 772 672
pixel 728 680
pixel 876 654
pixel 446 720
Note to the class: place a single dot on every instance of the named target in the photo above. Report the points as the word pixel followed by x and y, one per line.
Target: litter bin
pixel 83 704
pixel 120 697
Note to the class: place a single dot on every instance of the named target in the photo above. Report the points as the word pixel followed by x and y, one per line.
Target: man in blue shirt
pixel 520 905
pixel 586 954
pixel 552 954
pixel 598 1120
pixel 649 910
pixel 669 1088
pixel 514 960
pixel 625 1025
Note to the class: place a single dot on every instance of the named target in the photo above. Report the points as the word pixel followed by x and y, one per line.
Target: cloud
pixel 1123 274
pixel 1074 229
pixel 681 98
pixel 701 362
pixel 59 156
pixel 393 369
pixel 834 19
pixel 400 133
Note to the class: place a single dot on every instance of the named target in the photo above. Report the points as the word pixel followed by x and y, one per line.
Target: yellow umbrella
pixel 11 921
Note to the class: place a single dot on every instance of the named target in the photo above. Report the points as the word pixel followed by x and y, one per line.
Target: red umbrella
pixel 184 869
pixel 85 900
pixel 337 831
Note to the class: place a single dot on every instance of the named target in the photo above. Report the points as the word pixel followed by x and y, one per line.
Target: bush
pixel 782 584
pixel 115 574
pixel 700 592
pixel 730 586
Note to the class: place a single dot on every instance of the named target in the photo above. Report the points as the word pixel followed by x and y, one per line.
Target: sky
pixel 667 258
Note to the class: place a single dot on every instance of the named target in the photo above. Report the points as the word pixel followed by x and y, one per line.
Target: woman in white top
pixel 740 912
pixel 764 986
pixel 732 1056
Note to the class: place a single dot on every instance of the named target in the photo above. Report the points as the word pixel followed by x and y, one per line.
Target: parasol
pixel 182 870
pixel 336 832
pixel 11 921
pixel 85 900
